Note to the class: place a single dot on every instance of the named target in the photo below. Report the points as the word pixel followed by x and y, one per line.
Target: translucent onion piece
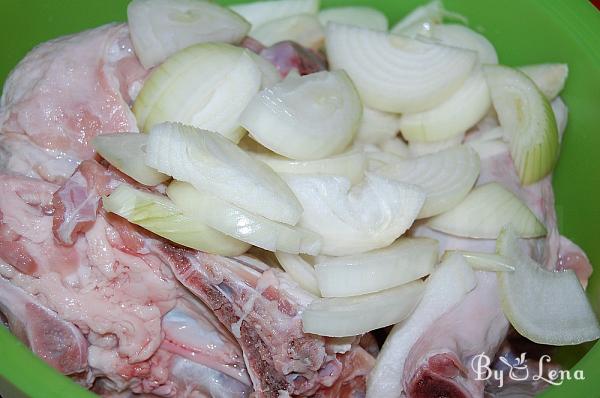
pixel 485 211
pixel 304 29
pixel 308 117
pixel 527 118
pixel 446 177
pixel 549 78
pixel 159 215
pixel 420 20
pixel 395 73
pixel 484 261
pixel 160 28
pixel 355 219
pixel 561 114
pixel 270 74
pixel 366 17
pixel 395 146
pixel 452 117
pixel 350 316
pixel 216 165
pixel 260 12
pixel 544 306
pixel 300 271
pixel 403 261
pixel 241 224
pixel 127 152
pixel 422 148
pixel 377 126
pixel 206 86
pixel 445 287
pixel 463 37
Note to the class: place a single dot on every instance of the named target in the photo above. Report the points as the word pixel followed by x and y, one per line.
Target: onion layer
pixel 300 271
pixel 366 17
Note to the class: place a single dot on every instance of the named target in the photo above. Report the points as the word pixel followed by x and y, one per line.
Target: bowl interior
pixel 524 32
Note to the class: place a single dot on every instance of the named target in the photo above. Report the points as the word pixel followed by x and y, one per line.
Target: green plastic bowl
pixel 523 31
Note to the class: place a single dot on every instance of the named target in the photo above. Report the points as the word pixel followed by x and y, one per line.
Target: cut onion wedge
pixel 395 146
pixel 241 224
pixel 485 211
pixel 160 28
pixel 484 261
pixel 452 117
pixel 561 114
pixel 366 17
pixel 216 165
pixel 403 261
pixel 127 152
pixel 377 126
pixel 445 287
pixel 446 177
pixel 159 215
pixel 351 165
pixel 270 74
pixel 420 20
pixel 549 78
pixel 304 29
pixel 544 306
pixel 422 148
pixel 395 73
pixel 527 118
pixel 300 271
pixel 206 86
pixel 260 12
pixel 350 316
pixel 461 36
pixel 308 117
pixel 355 219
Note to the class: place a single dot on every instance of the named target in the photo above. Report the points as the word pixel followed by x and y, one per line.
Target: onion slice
pixel 484 261
pixel 159 215
pixel 377 126
pixel 366 17
pixel 126 152
pixel 461 36
pixel 544 306
pixel 300 271
pixel 308 117
pixel 350 316
pixel 403 261
pixel 216 165
pixel 304 29
pixel 485 211
pixel 260 12
pixel 446 177
pixel 420 20
pixel 241 224
pixel 549 78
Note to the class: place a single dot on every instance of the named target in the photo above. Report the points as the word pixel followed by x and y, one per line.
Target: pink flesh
pixel 56 341
pixel 287 55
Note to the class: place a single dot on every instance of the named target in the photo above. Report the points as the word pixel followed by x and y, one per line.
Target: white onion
pixel 260 12
pixel 300 271
pixel 355 219
pixel 484 261
pixel 304 29
pixel 206 86
pixel 403 261
pixel 270 74
pixel 463 37
pixel 308 117
pixel 366 17
pixel 159 215
pixel 446 177
pixel 395 73
pixel 216 165
pixel 242 224
pixel 395 146
pixel 160 28
pixel 420 20
pixel 126 152
pixel 377 126
pixel 485 211
pixel 549 78
pixel 350 316
pixel 561 114
pixel 422 148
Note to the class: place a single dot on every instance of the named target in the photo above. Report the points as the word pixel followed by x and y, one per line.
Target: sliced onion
pixel 206 86
pixel 159 215
pixel 355 219
pixel 446 287
pixel 304 29
pixel 216 165
pixel 484 261
pixel 260 12
pixel 446 177
pixel 377 126
pixel 420 20
pixel 126 152
pixel 395 73
pixel 160 28
pixel 527 118
pixel 366 17
pixel 549 78
pixel 350 316
pixel 395 146
pixel 308 117
pixel 241 224
pixel 485 211
pixel 463 37
pixel 544 306
pixel 300 271
pixel 270 74
pixel 561 114
pixel 403 261
pixel 452 117
pixel 422 148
